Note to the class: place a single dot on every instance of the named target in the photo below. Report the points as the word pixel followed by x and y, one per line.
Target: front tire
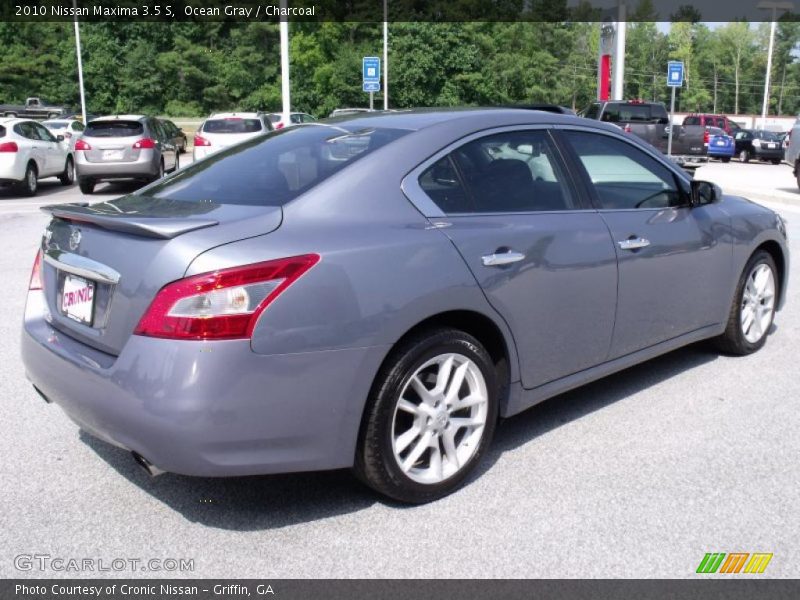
pixel 753 307
pixel 68 176
pixel 430 417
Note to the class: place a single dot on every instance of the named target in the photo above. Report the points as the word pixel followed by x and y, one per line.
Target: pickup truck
pixel 650 121
pixel 34 108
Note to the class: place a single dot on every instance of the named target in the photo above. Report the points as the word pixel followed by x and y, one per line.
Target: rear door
pixel 55 154
pixel 672 265
pixel 543 258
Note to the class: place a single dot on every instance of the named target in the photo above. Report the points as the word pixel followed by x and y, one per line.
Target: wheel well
pixel 35 166
pixel 774 250
pixel 477 325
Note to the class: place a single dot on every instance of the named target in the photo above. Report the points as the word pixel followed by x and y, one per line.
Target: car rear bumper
pixel 720 151
pixel 768 154
pixel 12 167
pixel 206 408
pixel 145 167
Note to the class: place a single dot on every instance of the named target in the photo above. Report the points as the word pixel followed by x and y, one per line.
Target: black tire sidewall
pixel 28 188
pixel 760 257
pixel 392 380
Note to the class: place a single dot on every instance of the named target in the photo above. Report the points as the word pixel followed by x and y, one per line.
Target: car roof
pixel 14 120
pixel 119 118
pixel 418 119
pixel 227 115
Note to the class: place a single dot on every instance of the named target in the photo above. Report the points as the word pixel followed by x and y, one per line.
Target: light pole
pixel 385 57
pixel 775 6
pixel 285 91
pixel 618 68
pixel 80 62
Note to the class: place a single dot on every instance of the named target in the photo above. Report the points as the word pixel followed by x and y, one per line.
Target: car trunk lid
pixel 124 251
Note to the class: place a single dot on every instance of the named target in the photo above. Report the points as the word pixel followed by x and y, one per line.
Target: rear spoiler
pixel 154 227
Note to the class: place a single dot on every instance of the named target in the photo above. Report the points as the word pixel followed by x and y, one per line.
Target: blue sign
pixel 372 86
pixel 675 74
pixel 371 69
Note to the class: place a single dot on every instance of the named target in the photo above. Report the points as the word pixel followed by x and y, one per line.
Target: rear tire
pixel 30 184
pixel 753 307
pixel 68 176
pixel 744 156
pixel 776 161
pixel 417 444
pixel 86 185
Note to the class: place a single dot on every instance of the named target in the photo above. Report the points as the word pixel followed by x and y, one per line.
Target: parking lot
pixel 637 475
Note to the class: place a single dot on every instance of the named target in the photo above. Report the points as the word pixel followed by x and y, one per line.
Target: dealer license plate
pixel 77 299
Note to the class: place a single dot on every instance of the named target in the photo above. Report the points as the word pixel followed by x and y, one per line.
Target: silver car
pixel 70 129
pixel 226 129
pixel 376 292
pixel 124 147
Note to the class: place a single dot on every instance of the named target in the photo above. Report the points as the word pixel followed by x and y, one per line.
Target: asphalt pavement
pixel 637 475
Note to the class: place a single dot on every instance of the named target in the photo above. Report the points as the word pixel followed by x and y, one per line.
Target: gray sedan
pixel 376 291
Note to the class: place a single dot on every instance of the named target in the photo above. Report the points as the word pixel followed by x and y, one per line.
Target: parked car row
pixel 111 148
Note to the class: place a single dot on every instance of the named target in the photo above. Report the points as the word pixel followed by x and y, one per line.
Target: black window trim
pixel 424 204
pixel 682 181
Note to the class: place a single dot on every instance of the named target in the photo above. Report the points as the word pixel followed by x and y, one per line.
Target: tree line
pixel 192 69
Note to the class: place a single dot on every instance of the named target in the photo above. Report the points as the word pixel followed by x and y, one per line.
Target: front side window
pixel 623 176
pixel 503 173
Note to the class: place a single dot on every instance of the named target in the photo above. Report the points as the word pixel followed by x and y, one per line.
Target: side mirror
pixel 59 138
pixel 704 192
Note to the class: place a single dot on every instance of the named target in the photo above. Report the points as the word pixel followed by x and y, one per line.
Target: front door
pixel 543 258
pixel 671 263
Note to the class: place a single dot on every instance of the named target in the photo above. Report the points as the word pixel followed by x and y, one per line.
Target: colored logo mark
pixel 735 562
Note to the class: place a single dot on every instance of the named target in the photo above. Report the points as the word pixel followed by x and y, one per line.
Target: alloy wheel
pixel 439 418
pixel 758 303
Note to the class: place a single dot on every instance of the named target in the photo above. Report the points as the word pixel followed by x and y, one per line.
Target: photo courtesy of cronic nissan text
pixel 391 299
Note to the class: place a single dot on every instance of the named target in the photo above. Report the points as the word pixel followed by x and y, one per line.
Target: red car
pixel 708 120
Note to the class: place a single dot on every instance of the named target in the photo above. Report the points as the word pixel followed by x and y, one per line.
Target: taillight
pixel 279 125
pixel 201 141
pixel 82 145
pixel 706 137
pixel 223 304
pixel 144 144
pixel 9 147
pixel 627 128
pixel 36 273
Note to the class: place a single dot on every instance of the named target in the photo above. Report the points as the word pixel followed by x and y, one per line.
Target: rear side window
pixel 2 131
pixel 592 111
pixel 114 129
pixel 274 169
pixel 627 113
pixel 512 172
pixel 233 125
pixel 692 121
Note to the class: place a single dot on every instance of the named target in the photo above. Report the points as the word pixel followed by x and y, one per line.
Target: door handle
pixel 634 243
pixel 498 259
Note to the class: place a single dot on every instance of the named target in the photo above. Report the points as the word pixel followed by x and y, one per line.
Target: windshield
pixel 233 125
pixel 275 168
pixel 113 129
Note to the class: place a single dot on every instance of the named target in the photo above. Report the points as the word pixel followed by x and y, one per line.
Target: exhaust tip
pixel 145 464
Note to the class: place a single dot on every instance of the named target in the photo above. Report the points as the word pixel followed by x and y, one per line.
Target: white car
pixel 71 129
pixel 294 118
pixel 226 129
pixel 29 152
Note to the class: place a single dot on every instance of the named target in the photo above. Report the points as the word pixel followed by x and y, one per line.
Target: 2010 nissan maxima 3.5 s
pixel 376 291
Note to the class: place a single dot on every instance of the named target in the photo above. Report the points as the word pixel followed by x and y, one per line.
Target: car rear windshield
pixel 274 169
pixel 766 136
pixel 634 113
pixel 55 124
pixel 113 129
pixel 233 125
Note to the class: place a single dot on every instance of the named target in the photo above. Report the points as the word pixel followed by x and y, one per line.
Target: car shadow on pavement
pixel 276 501
pixel 244 503
pixel 575 404
pixel 46 188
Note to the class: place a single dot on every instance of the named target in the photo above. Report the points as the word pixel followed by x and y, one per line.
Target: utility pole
pixel 618 68
pixel 385 57
pixel 80 62
pixel 285 89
